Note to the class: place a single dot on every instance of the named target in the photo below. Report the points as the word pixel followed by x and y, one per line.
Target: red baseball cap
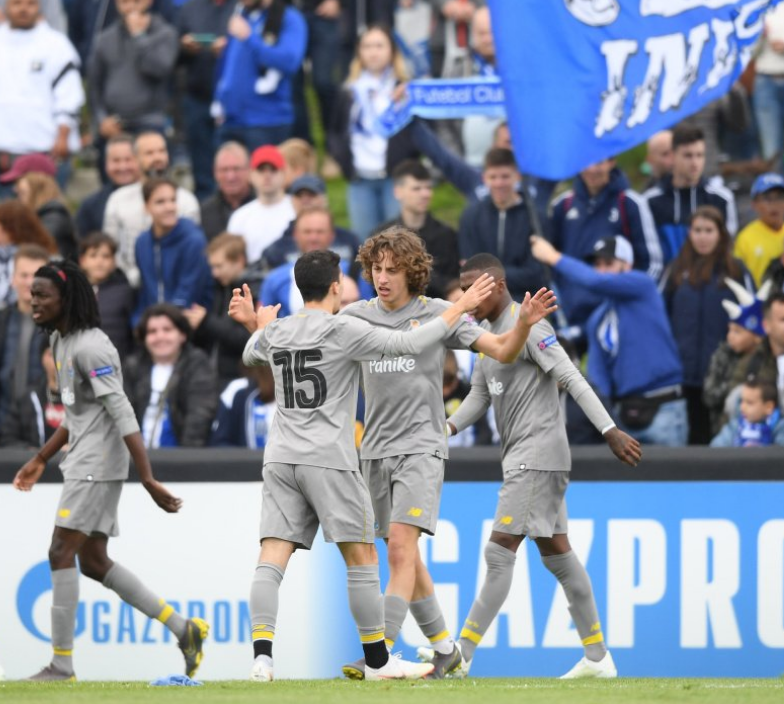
pixel 268 154
pixel 29 163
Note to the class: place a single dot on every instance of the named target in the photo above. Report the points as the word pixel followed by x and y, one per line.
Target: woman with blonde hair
pixel 366 158
pixel 41 193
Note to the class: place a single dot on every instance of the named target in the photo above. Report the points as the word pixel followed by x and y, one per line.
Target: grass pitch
pixel 471 691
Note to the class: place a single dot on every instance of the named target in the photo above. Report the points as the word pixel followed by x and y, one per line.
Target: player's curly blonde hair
pixel 408 252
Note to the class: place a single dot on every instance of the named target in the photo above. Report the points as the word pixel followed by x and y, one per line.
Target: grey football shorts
pixel 405 489
pixel 531 502
pixel 295 499
pixel 90 507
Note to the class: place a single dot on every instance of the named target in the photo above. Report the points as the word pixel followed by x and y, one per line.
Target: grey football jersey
pixel 88 367
pixel 314 358
pixel 525 398
pixel 404 402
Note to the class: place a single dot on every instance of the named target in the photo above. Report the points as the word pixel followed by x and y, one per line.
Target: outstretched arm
pixel 507 346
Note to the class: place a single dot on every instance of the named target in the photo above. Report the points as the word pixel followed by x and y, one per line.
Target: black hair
pixel 483 262
pixel 686 134
pixel 499 156
pixel 167 310
pixel 413 168
pixel 97 239
pixel 768 390
pixel 315 272
pixel 775 297
pixel 79 305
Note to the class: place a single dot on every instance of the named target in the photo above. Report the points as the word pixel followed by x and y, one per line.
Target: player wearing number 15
pixel 311 471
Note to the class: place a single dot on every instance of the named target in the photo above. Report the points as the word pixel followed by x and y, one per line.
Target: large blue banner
pixel 588 79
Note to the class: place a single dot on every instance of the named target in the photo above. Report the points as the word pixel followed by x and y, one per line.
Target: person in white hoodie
pixel 41 91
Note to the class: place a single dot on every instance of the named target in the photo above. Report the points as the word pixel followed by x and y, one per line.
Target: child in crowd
pixel 758 422
pixel 97 259
pixel 743 337
pixel 762 241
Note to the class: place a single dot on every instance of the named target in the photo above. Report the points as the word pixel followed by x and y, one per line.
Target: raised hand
pixel 480 289
pixel 161 496
pixel 241 308
pixel 624 446
pixel 265 315
pixel 537 307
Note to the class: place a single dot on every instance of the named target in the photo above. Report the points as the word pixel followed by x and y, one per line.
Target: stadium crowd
pixel 671 291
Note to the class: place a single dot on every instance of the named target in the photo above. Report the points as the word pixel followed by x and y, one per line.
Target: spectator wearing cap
pixel 601 203
pixel 33 176
pixel 42 93
pixel 122 169
pixel 265 219
pixel 697 284
pixel 306 192
pixel 253 96
pixel 414 192
pixel 130 71
pixel 232 176
pixel 313 230
pixel 125 217
pixel 632 355
pixel 744 334
pixel 762 240
pixel 677 196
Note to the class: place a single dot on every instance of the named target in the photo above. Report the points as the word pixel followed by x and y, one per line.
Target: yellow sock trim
pixel 439 636
pixel 165 614
pixel 389 643
pixel 372 638
pixel 262 632
pixel 468 634
pixel 61 652
pixel 591 640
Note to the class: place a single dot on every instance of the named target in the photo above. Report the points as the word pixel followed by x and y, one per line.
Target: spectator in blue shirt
pixel 632 355
pixel 267 42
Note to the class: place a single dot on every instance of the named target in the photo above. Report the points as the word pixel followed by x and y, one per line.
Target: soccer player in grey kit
pixel 536 463
pixel 101 431
pixel 311 471
pixel 404 446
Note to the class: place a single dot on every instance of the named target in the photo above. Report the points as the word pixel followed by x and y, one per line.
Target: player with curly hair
pixel 404 446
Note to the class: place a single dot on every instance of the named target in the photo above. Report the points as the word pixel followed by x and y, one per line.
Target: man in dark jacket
pixel 308 191
pixel 122 168
pixel 246 409
pixel 600 204
pixel 676 197
pixel 202 28
pixel 414 192
pixel 232 174
pixel 213 330
pixel 130 71
pixel 500 225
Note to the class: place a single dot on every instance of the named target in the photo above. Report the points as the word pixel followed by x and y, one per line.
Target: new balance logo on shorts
pixel 398 364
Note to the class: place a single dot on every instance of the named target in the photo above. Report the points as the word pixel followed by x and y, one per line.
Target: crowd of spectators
pixel 671 292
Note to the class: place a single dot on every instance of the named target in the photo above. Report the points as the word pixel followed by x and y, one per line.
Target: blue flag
pixel 588 79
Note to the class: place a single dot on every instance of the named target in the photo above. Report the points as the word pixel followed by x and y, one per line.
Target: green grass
pixel 478 691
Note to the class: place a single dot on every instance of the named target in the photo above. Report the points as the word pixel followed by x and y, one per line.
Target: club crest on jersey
pixel 68 397
pixel 415 324
pixel 551 340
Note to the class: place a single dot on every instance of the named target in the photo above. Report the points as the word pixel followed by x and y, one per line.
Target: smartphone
pixel 204 39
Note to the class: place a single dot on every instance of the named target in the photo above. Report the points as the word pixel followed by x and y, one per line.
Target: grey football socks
pixel 65 599
pixel 427 613
pixel 576 583
pixel 264 606
pixel 130 589
pixel 367 608
pixel 498 582
pixel 395 610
